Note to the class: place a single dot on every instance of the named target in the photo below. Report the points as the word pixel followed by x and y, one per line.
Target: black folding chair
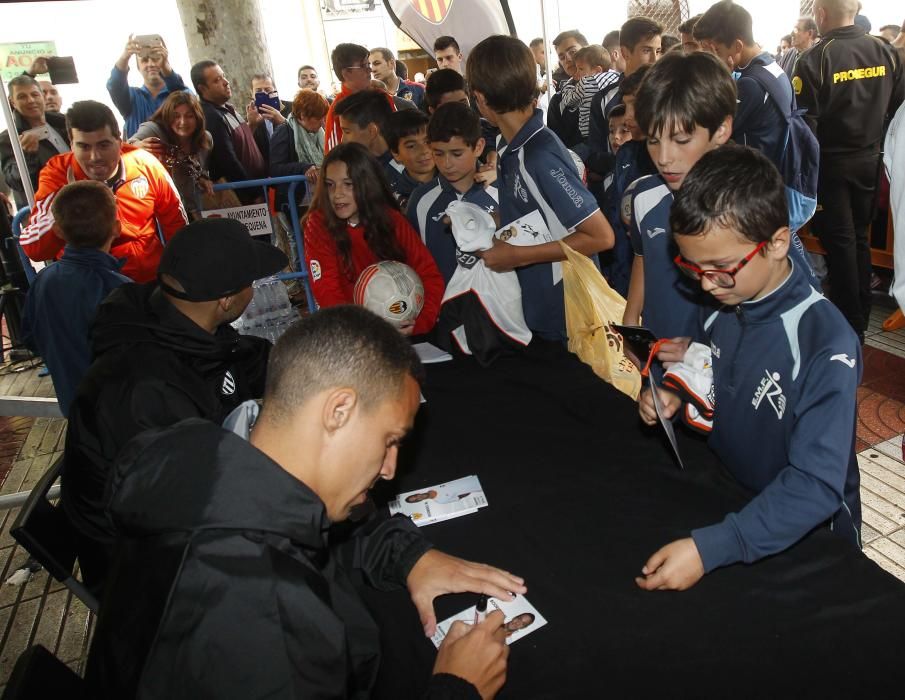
pixel 46 533
pixel 38 675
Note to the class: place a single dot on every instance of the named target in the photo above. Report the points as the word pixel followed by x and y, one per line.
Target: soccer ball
pixel 390 289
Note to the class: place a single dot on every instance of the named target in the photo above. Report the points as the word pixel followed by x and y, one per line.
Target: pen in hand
pixel 480 610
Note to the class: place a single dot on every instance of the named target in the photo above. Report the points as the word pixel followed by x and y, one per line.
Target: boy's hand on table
pixel 669 403
pixel 675 567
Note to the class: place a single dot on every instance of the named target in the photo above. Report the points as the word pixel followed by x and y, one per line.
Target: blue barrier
pixel 30 273
pixel 293 182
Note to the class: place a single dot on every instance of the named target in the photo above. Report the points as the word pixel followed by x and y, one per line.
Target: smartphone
pixel 62 70
pixel 263 98
pixel 638 339
pixel 148 43
pixel 42 132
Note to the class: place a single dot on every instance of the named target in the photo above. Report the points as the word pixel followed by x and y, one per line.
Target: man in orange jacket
pixel 145 193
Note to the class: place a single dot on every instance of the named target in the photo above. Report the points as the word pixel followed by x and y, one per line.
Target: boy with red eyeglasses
pixel 784 367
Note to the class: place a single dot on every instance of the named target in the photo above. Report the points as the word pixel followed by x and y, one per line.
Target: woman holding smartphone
pixel 176 135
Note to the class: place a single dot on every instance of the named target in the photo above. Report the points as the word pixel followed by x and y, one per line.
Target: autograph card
pixel 530 229
pixel 430 354
pixel 522 619
pixel 665 422
pixel 441 502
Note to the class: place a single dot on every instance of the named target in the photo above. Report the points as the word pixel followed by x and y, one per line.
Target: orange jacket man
pixel 145 193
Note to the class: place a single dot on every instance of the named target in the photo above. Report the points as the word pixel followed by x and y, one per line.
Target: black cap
pixel 214 258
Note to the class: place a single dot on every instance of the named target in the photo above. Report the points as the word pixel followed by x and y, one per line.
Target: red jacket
pixel 145 194
pixel 332 287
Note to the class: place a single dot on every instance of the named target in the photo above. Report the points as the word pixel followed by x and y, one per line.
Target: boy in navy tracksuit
pixel 784 368
pixel 632 162
pixel 406 137
pixel 63 300
pixel 726 30
pixel 534 173
pixel 685 107
pixel 454 135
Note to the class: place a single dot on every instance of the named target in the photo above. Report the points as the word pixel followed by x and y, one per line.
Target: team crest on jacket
pixel 770 390
pixel 140 186
pixel 229 384
pixel 519 189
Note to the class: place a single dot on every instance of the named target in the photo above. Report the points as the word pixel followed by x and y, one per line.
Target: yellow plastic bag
pixel 591 306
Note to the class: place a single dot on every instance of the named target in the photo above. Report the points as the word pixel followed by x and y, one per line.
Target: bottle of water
pixel 270 311
pixel 263 306
pixel 281 296
pixel 251 317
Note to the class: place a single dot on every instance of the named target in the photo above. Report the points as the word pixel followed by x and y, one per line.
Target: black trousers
pixel 95 558
pixel 845 198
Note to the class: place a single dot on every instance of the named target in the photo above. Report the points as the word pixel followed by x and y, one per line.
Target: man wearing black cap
pixel 163 352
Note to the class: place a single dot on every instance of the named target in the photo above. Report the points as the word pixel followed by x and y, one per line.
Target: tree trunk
pixel 231 33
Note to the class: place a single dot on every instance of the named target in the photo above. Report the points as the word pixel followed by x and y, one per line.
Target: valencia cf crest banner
pixel 469 21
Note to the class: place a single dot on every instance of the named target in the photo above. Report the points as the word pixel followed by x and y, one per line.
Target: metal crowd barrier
pixel 30 273
pixel 293 182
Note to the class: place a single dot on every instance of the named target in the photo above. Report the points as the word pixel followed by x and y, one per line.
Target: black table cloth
pixel 580 495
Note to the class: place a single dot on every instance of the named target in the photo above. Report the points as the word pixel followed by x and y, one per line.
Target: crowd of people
pixel 666 160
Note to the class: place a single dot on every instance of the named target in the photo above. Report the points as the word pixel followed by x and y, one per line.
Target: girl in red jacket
pixel 354 221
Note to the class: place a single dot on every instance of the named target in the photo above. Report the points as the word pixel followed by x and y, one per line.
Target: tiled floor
pixel 881 424
pixel 44 612
pixel 883 505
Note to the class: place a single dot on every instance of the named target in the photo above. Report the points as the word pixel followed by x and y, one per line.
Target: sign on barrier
pixel 256 217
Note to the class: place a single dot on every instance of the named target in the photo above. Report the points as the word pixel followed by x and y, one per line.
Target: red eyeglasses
pixel 721 278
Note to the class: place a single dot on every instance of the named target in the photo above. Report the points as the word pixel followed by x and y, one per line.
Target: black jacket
pixel 564 123
pixel 849 84
pixel 262 138
pixel 237 588
pixel 34 161
pixel 600 159
pixel 152 368
pixel 225 160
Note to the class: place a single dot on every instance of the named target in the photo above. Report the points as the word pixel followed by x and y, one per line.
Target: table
pixel 580 495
